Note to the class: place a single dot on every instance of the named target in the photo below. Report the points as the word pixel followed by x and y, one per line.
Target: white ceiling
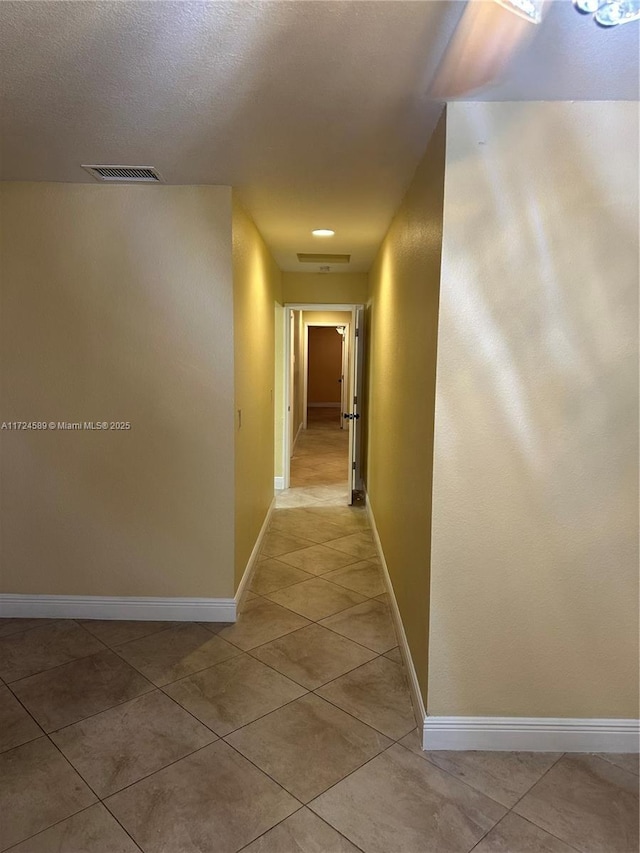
pixel 317 111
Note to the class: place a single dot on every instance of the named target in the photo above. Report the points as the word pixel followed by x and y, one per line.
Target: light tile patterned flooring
pixel 290 731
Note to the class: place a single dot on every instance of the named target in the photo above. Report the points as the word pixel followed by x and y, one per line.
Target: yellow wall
pixel 117 306
pixel 330 288
pixel 401 333
pixel 279 418
pixel 325 365
pixel 256 288
pixel 534 595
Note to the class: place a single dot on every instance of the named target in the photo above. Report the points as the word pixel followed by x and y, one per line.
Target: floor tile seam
pixel 31 717
pixel 319 542
pixel 352 715
pixel 187 711
pixel 146 776
pixel 341 834
pixel 599 759
pixel 365 594
pixel 533 823
pixel 539 779
pixel 344 636
pixel 47 622
pixel 58 665
pixel 330 616
pixel 286 586
pixel 170 627
pixel 335 613
pixel 106 797
pixel 264 773
pixel 51 826
pixel 358 559
pixel 601 755
pixel 290 631
pixel 308 544
pixel 462 781
pixel 309 805
pixel 304 687
pixel 266 713
pixel 90 787
pixel 97 713
pixel 143 637
pixel 346 565
pixel 262 834
pixel 384 749
pixel 166 684
pixel 530 819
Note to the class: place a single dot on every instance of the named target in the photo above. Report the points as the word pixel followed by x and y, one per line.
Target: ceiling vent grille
pixel 125 174
pixel 308 258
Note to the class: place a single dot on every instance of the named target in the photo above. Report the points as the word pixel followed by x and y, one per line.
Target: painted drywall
pixel 324 365
pixel 402 322
pixel 305 288
pixel 279 385
pixel 256 289
pixel 117 307
pixel 534 594
pixel 335 318
pixel 297 374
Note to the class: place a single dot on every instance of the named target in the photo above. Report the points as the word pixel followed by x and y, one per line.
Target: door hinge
pixel 354 466
pixel 357 333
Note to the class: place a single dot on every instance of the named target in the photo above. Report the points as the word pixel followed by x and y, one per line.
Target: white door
pixel 355 410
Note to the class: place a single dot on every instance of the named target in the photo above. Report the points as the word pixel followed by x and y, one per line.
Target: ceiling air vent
pixel 125 174
pixel 305 258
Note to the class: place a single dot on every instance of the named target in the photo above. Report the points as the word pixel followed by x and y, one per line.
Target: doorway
pixel 321 423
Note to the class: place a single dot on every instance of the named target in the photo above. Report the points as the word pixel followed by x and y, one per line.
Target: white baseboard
pixel 531 734
pixel 526 734
pixel 117 607
pixel 245 580
pixel 414 686
pixel 323 405
pixel 278 483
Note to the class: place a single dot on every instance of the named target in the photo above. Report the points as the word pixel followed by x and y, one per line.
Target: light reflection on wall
pixel 535 502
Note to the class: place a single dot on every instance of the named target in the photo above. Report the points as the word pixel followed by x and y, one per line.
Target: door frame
pixel 287 379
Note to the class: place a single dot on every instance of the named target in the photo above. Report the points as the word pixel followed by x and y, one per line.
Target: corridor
pixel 319 465
pixel 290 730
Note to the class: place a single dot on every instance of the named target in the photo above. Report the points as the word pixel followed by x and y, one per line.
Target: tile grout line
pixel 528 791
pixel 62 820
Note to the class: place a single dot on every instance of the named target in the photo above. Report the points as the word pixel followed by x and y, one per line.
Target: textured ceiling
pixel 317 111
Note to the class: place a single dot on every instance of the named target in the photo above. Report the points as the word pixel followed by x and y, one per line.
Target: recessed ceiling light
pixel 323 232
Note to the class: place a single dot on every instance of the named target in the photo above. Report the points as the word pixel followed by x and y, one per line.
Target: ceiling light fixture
pixel 529 9
pixel 323 232
pixel 610 13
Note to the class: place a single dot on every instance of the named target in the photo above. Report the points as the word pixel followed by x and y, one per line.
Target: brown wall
pixel 324 359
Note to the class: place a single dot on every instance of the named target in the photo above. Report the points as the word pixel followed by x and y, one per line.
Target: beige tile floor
pixel 289 732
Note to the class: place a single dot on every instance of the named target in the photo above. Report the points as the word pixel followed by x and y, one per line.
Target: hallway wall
pixel 329 288
pixel 402 319
pixel 117 306
pixel 534 593
pixel 256 289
